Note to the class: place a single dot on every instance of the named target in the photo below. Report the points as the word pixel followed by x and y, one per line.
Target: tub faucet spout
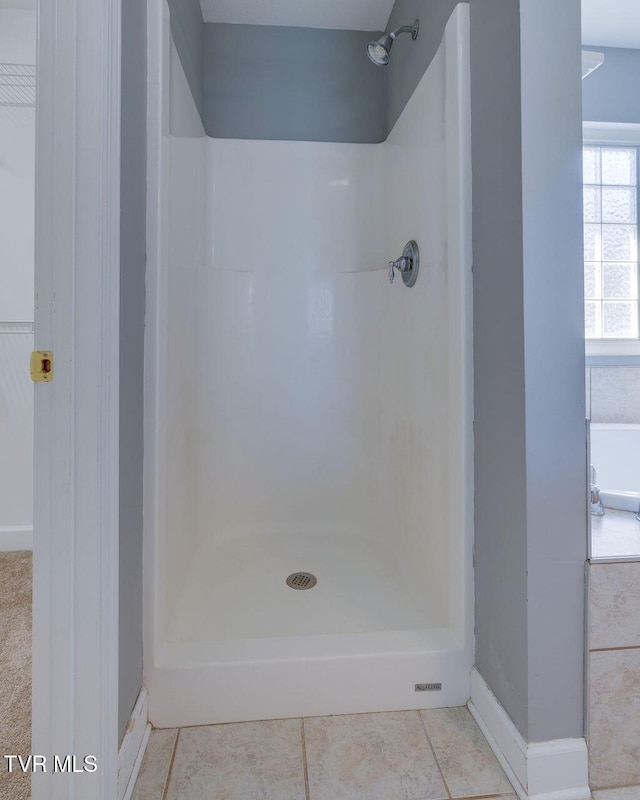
pixel 597 509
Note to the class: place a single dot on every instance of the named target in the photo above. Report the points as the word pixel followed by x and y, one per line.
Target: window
pixel 611 241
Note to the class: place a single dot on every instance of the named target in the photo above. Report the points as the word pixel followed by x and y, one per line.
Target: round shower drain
pixel 301 580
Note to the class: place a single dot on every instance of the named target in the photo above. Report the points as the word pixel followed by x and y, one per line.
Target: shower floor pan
pixel 242 645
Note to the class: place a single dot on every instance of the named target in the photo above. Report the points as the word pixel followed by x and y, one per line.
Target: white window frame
pixel 623 352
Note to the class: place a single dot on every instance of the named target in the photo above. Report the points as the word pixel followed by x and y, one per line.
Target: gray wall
pixel 307 84
pixel 500 446
pixel 610 93
pixel 530 451
pixel 554 357
pixel 187 30
pixel 132 308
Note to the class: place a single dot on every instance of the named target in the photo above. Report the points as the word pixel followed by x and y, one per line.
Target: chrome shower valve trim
pixel 407 265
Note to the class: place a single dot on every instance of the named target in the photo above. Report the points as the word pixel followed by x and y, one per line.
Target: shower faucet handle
pixel 403 264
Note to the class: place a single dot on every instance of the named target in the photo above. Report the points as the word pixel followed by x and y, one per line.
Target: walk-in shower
pixel 308 525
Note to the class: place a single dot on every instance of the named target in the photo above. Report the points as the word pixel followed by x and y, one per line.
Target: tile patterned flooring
pixel 628 793
pixel 403 755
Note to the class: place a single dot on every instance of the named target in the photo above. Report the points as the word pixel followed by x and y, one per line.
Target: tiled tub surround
pixel 614 676
pixel 409 755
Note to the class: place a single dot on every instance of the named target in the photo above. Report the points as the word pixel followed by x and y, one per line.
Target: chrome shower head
pixel 379 51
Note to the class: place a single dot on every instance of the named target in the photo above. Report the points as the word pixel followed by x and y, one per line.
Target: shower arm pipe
pixel 404 29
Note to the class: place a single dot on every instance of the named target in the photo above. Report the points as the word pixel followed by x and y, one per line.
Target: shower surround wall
pixel 309 416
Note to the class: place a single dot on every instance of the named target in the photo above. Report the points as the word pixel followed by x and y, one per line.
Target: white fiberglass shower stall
pixel 303 414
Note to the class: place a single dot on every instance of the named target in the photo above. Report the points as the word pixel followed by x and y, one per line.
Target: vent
pixel 302 580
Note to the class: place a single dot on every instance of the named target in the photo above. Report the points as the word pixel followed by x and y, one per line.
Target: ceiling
pixel 611 23
pixel 359 15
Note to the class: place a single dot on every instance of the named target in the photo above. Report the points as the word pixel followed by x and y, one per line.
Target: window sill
pixel 614 353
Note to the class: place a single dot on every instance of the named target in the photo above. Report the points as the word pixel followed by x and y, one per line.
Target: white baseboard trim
pixel 554 770
pixel 16 537
pixel 133 746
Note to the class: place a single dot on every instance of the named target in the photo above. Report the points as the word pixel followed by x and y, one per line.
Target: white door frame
pixel 75 634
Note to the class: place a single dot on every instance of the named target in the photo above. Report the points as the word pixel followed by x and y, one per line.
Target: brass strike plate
pixel 41 366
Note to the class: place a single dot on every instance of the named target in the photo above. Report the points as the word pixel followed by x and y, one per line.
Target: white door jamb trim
pixel 75 634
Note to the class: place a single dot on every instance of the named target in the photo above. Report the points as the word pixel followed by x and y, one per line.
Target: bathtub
pixel 615 453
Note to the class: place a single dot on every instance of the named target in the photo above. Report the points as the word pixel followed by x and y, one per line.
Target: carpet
pixel 15 670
